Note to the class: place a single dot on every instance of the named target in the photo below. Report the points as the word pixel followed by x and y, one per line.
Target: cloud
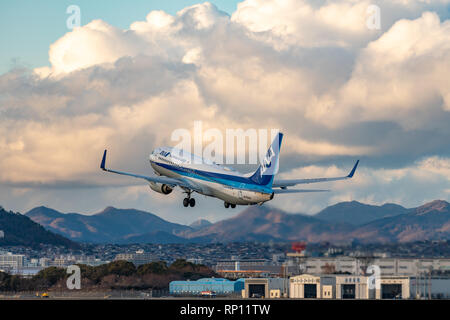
pixel 343 23
pixel 93 44
pixel 160 36
pixel 304 23
pixel 401 76
pixel 336 89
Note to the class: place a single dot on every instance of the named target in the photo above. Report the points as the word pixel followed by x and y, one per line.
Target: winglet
pixel 350 175
pixel 102 165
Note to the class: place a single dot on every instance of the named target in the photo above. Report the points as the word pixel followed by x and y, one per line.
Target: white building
pixel 138 258
pixel 347 286
pixel 307 286
pixel 44 262
pixel 331 265
pixel 258 267
pixel 265 288
pixel 62 261
pixel 195 260
pixel 388 266
pixel 92 262
pixel 27 272
pixel 12 261
pixel 394 287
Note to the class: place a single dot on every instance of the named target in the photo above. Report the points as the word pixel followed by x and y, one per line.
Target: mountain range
pixel 19 230
pixel 356 213
pixel 108 226
pixel 342 222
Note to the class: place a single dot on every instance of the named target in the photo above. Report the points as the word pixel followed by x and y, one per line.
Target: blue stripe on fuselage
pixel 225 179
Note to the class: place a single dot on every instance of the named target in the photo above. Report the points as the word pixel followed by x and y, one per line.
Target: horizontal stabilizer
pixel 289 183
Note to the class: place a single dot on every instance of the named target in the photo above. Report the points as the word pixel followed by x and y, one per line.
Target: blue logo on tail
pixel 269 167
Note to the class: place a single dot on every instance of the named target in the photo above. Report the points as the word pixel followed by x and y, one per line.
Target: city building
pixel 12 261
pixel 237 274
pixel 217 285
pixel 26 272
pixel 92 262
pixel 62 262
pixel 304 286
pixel 237 268
pixel 44 262
pixel 358 265
pixel 265 288
pixel 195 260
pixel 393 288
pixel 242 264
pixel 33 262
pixel 339 286
pixel 349 286
pixel 138 258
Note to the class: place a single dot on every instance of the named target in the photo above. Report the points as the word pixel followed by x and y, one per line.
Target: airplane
pixel 175 168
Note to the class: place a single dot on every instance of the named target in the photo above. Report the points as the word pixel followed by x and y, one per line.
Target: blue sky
pixel 29 27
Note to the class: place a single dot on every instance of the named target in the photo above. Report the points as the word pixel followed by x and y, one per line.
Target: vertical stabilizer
pixel 269 167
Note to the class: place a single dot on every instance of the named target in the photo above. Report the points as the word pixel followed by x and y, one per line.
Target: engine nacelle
pixel 161 188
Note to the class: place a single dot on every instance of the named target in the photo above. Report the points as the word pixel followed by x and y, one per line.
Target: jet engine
pixel 161 188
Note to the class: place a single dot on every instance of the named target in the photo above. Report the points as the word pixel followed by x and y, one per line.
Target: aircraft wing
pixel 165 180
pixel 288 183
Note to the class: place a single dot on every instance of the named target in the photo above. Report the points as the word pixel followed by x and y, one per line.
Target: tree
pixel 158 267
pixel 51 275
pixel 121 268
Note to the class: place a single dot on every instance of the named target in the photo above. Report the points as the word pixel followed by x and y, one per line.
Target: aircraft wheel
pixel 192 202
pixel 226 204
pixel 233 205
pixel 186 202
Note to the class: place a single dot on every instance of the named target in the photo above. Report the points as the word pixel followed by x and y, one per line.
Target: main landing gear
pixel 227 205
pixel 188 201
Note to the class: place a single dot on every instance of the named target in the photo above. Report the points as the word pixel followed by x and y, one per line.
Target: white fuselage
pixel 208 178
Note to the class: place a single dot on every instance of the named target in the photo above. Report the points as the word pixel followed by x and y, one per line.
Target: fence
pixel 80 294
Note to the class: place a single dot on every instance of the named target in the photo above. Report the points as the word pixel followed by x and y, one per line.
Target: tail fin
pixel 268 169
